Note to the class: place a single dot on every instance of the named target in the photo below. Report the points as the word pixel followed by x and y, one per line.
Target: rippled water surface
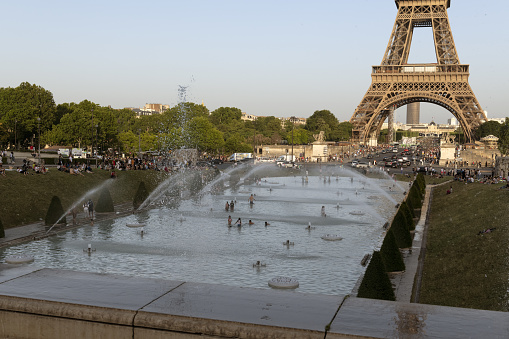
pixel 191 241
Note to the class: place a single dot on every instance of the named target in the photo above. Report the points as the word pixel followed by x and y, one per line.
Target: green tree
pixel 325 121
pixel 105 202
pixel 205 136
pixel 344 131
pixel 55 212
pixel 140 196
pixel 224 115
pixel 236 144
pixel 503 142
pixel 2 232
pixel 20 109
pixel 488 128
pixel 376 283
pixel 391 255
pixel 400 229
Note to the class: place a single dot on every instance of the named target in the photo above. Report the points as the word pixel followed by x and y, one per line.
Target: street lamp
pixel 16 134
pixel 39 128
pixel 292 119
pixel 92 133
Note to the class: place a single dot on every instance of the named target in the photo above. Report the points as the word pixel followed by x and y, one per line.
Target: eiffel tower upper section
pixel 396 83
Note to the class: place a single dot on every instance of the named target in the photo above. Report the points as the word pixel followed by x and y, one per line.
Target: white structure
pixel 452 121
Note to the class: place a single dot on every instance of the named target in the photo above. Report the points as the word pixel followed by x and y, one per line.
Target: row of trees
pixel 28 111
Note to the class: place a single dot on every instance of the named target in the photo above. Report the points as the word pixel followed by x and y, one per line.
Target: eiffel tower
pixel 396 83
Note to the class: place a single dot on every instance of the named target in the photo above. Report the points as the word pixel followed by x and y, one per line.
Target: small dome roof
pixel 489 138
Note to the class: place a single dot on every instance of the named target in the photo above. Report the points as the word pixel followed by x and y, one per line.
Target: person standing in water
pixel 238 222
pixel 229 220
pixel 227 207
pixel 251 199
pixel 91 209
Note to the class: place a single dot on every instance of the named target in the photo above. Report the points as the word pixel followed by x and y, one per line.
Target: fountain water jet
pixel 106 183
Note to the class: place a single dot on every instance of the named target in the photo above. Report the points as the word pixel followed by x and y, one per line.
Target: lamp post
pixel 39 139
pixel 292 119
pixel 92 130
pixel 96 146
pixel 139 143
pixel 16 134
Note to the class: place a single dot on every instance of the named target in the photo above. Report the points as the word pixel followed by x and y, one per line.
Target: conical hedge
pixel 408 215
pixel 2 232
pixel 55 211
pixel 376 283
pixel 105 203
pixel 422 182
pixel 414 199
pixel 140 196
pixel 391 255
pixel 401 232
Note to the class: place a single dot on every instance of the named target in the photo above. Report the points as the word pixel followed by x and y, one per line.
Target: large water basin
pixel 191 241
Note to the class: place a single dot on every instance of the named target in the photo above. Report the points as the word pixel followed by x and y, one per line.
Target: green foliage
pixel 414 199
pixel 503 142
pixel 408 215
pixel 2 232
pixel 20 108
pixel 205 136
pixel 400 229
pixel 301 136
pixel 55 211
pixel 376 283
pixel 105 202
pixel 421 181
pixel 325 121
pixel 488 128
pixel 225 115
pixel 140 196
pixel 391 255
pixel 400 134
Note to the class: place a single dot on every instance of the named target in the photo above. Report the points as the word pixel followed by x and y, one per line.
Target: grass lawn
pixel 25 199
pixel 462 268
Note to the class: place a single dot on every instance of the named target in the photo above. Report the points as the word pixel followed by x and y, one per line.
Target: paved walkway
pixel 39 230
pixel 404 282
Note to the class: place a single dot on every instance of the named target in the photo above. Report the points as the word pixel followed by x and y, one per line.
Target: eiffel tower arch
pixel 396 83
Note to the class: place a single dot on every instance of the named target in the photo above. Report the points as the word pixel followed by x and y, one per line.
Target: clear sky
pixel 277 57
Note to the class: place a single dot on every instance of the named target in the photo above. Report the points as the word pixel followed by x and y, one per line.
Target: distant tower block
pixel 413 112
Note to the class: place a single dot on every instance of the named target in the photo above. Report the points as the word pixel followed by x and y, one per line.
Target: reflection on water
pixel 194 243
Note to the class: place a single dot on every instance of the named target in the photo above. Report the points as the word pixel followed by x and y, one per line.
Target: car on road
pixel 362 165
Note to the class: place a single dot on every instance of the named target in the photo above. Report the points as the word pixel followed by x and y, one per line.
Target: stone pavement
pixel 404 282
pixel 64 304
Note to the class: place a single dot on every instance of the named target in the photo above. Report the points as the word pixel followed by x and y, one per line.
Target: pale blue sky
pixel 277 57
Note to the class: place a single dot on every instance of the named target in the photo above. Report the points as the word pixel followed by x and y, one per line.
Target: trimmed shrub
pixel 140 196
pixel 391 255
pixel 55 211
pixel 408 215
pixel 401 232
pixel 376 283
pixel 2 232
pixel 414 199
pixel 105 203
pixel 422 182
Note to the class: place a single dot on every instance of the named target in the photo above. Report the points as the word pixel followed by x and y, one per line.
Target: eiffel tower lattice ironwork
pixel 396 83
